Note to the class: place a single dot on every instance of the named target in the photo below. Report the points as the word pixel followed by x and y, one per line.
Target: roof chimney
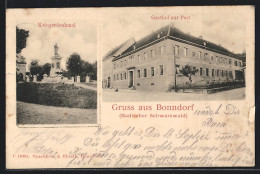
pixel 158 36
pixel 200 37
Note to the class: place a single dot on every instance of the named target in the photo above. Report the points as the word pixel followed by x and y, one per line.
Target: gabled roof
pixel 171 32
pixel 110 53
pixel 148 39
pixel 175 32
pixel 117 51
pixel 242 56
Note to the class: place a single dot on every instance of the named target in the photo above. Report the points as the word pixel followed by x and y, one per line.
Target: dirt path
pixel 85 86
pixel 28 113
pixel 126 95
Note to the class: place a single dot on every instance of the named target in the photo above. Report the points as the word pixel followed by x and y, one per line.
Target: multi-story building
pixel 154 62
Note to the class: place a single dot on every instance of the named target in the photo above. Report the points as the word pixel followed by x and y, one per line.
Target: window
pixel 117 77
pixel 217 60
pixel 229 61
pixel 161 49
pixel 225 61
pixel 52 65
pixel 152 71
pixel 217 72
pixel 222 73
pixel 145 73
pixel 121 77
pixel 230 74
pixel 177 69
pixel 201 71
pixel 176 50
pixel 235 62
pixel 139 73
pixel 212 58
pixel 200 54
pixel 125 75
pixel 193 54
pixel 145 55
pixel 226 74
pixel 207 72
pixel 131 58
pixel 185 51
pixel 221 60
pixel 205 56
pixel 121 64
pixel 152 53
pixel 138 57
pixel 213 72
pixel 161 69
pixel 240 64
pixel 114 77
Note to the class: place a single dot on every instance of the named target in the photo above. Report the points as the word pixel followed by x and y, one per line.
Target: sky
pixel 113 26
pixel 40 44
pixel 220 26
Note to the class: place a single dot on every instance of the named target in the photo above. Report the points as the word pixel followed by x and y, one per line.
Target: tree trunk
pixel 190 79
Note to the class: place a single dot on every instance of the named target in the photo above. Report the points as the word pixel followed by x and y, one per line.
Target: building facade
pixel 155 62
pixel 20 67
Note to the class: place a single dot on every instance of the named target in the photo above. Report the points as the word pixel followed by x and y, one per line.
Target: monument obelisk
pixel 55 65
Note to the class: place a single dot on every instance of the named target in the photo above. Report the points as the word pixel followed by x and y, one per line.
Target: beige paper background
pixel 133 151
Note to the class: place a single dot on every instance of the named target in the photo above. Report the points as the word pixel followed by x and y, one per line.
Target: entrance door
pixel 108 82
pixel 131 78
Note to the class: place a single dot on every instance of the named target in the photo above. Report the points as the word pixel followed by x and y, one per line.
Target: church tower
pixel 55 65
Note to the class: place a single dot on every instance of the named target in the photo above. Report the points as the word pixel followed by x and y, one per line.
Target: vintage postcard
pixel 130 87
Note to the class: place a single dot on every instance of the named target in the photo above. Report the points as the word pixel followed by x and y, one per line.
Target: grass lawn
pixel 57 94
pixel 28 113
